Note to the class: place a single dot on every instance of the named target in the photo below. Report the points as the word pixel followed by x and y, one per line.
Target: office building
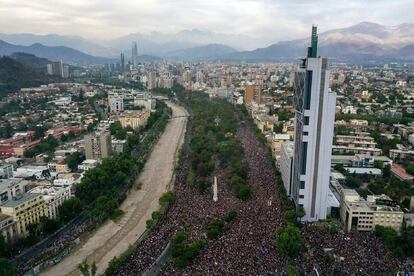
pixel 134 54
pixel 98 145
pixel 122 69
pixel 25 209
pixel 363 215
pixel 314 126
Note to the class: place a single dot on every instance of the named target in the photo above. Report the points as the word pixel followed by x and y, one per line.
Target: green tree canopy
pixel 288 241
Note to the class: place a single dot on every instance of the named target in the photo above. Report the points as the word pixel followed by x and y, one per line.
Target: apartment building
pixel 25 209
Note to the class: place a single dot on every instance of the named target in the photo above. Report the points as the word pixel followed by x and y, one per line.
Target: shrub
pixel 215 229
pixel 184 253
pixel 150 223
pixel 230 216
pixel 167 198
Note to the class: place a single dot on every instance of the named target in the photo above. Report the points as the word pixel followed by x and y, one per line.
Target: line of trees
pixel 105 186
pixel 400 244
pixel 214 142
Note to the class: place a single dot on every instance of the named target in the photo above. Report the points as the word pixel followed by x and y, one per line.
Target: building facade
pixel 314 127
pixel 53 197
pixel 25 209
pixel 134 119
pixel 7 228
pixel 253 93
pixel 123 99
pixel 6 171
pixel 358 214
pixel 286 165
pixel 98 145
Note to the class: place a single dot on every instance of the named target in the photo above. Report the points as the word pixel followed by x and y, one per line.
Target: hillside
pixel 68 55
pixel 36 63
pixel 14 75
pixel 75 42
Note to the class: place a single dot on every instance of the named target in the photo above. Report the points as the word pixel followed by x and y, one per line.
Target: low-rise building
pixel 6 171
pixel 276 143
pixel 401 154
pixel 53 197
pixel 355 141
pixel 88 164
pixel 399 172
pixel 29 171
pixel 359 160
pixel 10 188
pixel 118 146
pixel 134 118
pixel 25 209
pixel 356 150
pixel 265 122
pixel 363 215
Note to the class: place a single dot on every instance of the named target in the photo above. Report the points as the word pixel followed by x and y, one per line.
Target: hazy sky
pixel 266 20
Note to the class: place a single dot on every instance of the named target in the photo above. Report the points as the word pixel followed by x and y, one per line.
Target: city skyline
pixel 277 21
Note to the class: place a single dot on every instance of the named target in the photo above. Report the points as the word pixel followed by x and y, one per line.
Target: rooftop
pixel 400 172
pixel 17 201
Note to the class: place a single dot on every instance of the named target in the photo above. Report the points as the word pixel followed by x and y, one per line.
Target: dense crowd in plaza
pixel 245 245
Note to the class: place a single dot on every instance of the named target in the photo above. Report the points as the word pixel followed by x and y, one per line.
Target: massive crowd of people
pixel 346 253
pixel 246 244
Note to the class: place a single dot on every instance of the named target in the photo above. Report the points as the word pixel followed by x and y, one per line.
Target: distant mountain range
pixel 68 55
pixel 363 42
pixel 75 42
pixel 207 52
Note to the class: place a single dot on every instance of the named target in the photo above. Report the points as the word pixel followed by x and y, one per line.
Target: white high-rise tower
pixel 314 127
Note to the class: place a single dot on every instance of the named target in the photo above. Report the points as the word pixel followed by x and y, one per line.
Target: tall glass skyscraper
pixel 134 54
pixel 314 125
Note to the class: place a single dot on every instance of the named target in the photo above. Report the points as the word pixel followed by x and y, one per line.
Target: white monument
pixel 215 198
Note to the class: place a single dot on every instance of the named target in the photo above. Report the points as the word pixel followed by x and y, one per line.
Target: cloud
pixel 265 20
